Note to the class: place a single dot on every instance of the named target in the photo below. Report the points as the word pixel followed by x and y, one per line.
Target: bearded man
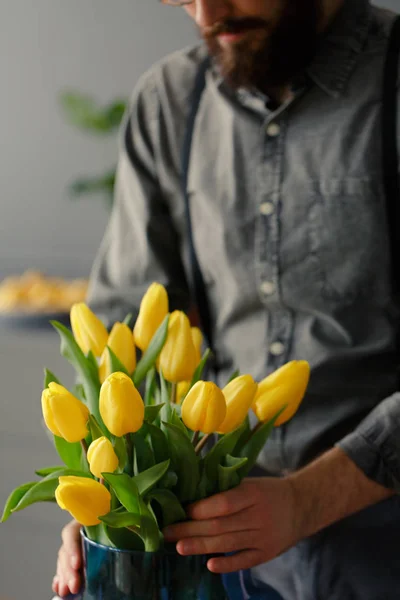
pixel 288 220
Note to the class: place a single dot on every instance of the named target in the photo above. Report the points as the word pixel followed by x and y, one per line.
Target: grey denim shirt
pixel 290 230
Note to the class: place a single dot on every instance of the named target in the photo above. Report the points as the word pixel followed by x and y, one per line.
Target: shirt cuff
pixel 375 445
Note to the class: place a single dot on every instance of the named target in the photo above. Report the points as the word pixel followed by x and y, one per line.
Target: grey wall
pixel 98 46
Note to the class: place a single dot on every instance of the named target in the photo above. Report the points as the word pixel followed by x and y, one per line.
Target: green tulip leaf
pixel 150 386
pixel 72 352
pixel 252 448
pixel 124 539
pixel 96 431
pixel 244 436
pixel 234 375
pixel 172 510
pixel 150 356
pixel 14 498
pixel 79 391
pixel 119 446
pixel 177 421
pixel 121 519
pixel 166 411
pixel 148 479
pixel 214 457
pixel 151 412
pixel 48 471
pixel 169 480
pixel 70 453
pixel 125 489
pixel 200 367
pixel 49 377
pixel 159 443
pixel 93 366
pixel 116 365
pixel 144 456
pixel 128 319
pixel 184 462
pixel 149 530
pixel 43 491
pixel 204 485
pixel 228 476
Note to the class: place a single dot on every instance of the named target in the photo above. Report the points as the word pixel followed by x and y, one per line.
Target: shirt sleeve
pixel 375 445
pixel 141 244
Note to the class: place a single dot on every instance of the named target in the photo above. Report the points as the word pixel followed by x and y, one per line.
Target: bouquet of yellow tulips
pixel 141 439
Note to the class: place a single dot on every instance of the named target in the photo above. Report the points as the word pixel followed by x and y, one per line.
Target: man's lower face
pixel 254 53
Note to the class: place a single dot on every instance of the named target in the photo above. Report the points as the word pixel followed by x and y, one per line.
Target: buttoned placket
pixel 268 242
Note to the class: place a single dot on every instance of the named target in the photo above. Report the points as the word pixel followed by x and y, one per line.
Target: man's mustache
pixel 234 26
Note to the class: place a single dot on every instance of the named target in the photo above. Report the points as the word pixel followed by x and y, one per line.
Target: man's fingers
pixel 69 580
pixel 71 542
pixel 226 503
pixel 242 560
pixel 210 527
pixel 228 542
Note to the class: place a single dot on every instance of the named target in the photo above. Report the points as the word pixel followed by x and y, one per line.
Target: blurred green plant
pixel 84 113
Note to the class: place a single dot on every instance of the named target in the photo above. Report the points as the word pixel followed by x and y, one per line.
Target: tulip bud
pixel 64 415
pixel 89 332
pixel 197 338
pixel 84 498
pixel 181 390
pixel 204 408
pixel 177 360
pixel 101 457
pixel 286 386
pixel 121 343
pixel 121 405
pixel 239 395
pixel 153 310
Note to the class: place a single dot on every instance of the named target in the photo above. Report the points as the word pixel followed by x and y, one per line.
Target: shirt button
pixel 267 208
pixel 268 288
pixel 277 348
pixel 273 129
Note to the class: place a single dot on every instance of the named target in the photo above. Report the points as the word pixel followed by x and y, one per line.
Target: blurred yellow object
pixel 33 292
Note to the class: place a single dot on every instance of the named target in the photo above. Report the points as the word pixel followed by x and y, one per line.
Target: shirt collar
pixel 340 47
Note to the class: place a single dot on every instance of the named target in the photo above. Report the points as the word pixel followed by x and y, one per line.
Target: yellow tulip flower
pixel 121 405
pixel 89 332
pixel 286 386
pixel 101 457
pixel 122 344
pixel 85 499
pixel 239 395
pixel 181 390
pixel 197 338
pixel 153 310
pixel 64 414
pixel 204 408
pixel 178 358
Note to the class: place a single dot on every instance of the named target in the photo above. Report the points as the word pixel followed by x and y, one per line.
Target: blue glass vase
pixel 112 574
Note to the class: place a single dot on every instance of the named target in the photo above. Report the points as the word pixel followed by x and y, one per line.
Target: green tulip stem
pixel 129 451
pixel 84 447
pixel 195 438
pixel 202 443
pixel 173 393
pixel 254 431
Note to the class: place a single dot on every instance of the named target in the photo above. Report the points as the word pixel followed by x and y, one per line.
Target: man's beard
pixel 270 56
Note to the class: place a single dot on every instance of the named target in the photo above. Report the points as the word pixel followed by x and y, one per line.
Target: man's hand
pixel 68 578
pixel 256 521
pixel 263 517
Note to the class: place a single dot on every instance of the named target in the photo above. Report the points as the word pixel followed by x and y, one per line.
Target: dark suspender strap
pixel 390 152
pixel 198 285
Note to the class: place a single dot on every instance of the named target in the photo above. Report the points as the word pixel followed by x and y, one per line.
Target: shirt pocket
pixel 348 236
